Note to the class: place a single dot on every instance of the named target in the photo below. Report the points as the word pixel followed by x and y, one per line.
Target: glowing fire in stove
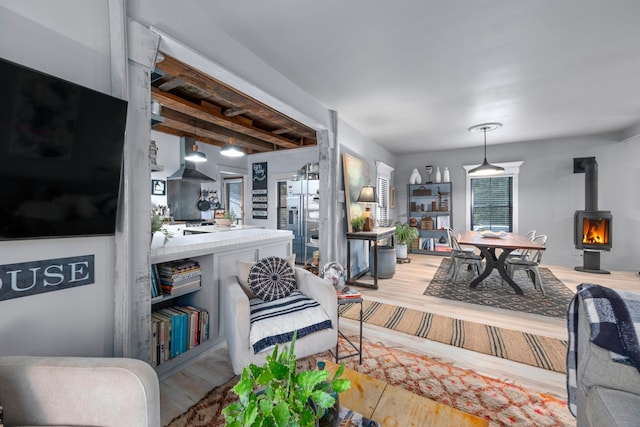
pixel 595 231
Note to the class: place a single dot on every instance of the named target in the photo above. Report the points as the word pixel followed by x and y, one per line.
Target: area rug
pixel 492 292
pixel 500 402
pixel 535 350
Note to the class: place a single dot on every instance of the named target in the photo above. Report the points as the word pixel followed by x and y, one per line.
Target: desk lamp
pixel 367 195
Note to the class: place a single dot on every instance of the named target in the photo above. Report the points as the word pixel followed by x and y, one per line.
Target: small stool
pixel 358 350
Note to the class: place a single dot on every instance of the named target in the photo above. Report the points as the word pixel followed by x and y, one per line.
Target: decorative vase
pixel 438 175
pixel 445 175
pixel 415 177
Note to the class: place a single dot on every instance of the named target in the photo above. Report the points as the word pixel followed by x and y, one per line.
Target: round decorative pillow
pixel 272 278
pixel 334 273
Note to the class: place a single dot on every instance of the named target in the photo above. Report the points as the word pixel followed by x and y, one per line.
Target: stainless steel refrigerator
pixel 301 215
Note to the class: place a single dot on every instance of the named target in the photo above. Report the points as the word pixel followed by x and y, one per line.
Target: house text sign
pixel 36 277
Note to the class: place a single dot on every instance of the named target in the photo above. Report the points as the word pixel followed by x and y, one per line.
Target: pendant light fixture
pixel 486 169
pixel 195 155
pixel 230 149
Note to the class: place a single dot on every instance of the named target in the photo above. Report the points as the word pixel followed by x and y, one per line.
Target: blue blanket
pixel 614 320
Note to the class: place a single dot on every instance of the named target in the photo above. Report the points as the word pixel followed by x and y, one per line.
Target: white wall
pixel 353 142
pixel 550 192
pixel 281 166
pixel 75 321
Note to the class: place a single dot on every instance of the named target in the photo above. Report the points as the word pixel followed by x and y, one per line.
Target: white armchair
pixel 237 327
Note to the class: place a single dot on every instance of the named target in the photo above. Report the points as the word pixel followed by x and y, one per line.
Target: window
pixel 492 203
pixel 382 188
pixel 233 197
pixel 383 201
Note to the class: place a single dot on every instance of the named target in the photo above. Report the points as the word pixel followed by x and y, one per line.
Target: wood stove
pixel 593 230
pixel 592 227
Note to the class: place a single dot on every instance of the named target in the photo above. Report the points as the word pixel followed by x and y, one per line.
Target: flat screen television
pixel 61 148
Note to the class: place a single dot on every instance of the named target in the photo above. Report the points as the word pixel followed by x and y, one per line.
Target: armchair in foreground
pixel 87 391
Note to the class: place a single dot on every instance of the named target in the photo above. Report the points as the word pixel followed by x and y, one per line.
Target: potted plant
pixel 275 395
pixel 226 220
pixel 405 236
pixel 358 222
pixel 157 225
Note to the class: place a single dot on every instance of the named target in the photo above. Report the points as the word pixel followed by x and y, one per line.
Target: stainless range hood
pixel 187 171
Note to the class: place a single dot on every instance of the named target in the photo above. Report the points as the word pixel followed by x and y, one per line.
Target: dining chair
pixel 531 234
pixel 529 262
pixel 461 256
pixel 451 236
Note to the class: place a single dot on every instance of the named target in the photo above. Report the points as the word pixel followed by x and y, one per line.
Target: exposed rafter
pixel 190 97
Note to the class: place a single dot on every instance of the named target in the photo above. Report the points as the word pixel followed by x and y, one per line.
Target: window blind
pixel 383 201
pixel 492 203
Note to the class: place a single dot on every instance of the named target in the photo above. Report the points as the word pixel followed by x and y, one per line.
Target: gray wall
pixel 76 321
pixel 550 192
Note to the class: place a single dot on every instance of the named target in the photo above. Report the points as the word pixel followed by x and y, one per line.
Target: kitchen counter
pixel 180 227
pixel 216 241
pixel 216 228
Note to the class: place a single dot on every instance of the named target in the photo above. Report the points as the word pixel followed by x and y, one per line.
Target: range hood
pixel 187 171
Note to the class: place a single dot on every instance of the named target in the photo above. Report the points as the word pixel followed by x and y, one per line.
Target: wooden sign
pixel 36 277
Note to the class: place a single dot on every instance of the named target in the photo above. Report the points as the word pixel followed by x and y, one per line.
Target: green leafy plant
pixel 358 222
pixel 229 215
pixel 157 225
pixel 275 395
pixel 405 234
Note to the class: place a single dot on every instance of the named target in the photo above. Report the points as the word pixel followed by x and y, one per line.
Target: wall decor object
pixel 356 173
pixel 259 193
pixel 36 277
pixel 415 177
pixel 158 187
pixel 438 175
pixel 428 170
pixel 392 197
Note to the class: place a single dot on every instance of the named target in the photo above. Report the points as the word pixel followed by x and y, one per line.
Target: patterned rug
pixel 535 350
pixel 494 293
pixel 500 402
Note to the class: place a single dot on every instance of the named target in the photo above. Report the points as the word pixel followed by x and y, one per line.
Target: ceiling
pixel 413 75
pixel 196 105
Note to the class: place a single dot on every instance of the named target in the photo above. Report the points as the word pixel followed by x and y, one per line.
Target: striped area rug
pixel 535 350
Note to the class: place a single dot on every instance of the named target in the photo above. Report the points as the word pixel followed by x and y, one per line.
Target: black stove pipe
pixel 591 185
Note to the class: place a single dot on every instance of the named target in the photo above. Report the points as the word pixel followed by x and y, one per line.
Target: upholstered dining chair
pixel 529 262
pixel 460 256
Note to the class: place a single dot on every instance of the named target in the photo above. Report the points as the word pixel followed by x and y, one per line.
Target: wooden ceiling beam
pixel 184 125
pixel 207 115
pixel 173 67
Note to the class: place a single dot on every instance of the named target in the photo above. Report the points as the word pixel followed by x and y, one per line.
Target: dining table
pixel 488 243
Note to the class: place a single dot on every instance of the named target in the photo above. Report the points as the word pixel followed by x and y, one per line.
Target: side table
pixel 358 350
pixel 370 237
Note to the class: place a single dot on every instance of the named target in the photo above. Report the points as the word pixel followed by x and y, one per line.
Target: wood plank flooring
pixel 180 391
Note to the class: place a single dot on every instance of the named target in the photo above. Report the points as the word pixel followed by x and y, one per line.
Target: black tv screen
pixel 61 148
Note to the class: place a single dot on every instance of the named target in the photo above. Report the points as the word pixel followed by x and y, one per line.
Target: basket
pixel 426 223
pixel 422 191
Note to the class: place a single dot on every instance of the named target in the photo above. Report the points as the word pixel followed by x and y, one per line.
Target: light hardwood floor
pixel 187 387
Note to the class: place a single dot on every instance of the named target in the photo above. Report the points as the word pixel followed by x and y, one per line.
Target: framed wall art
pixel 158 187
pixel 356 173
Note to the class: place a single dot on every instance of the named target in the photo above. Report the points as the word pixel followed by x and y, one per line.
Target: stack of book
pixel 348 292
pixel 176 277
pixel 175 330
